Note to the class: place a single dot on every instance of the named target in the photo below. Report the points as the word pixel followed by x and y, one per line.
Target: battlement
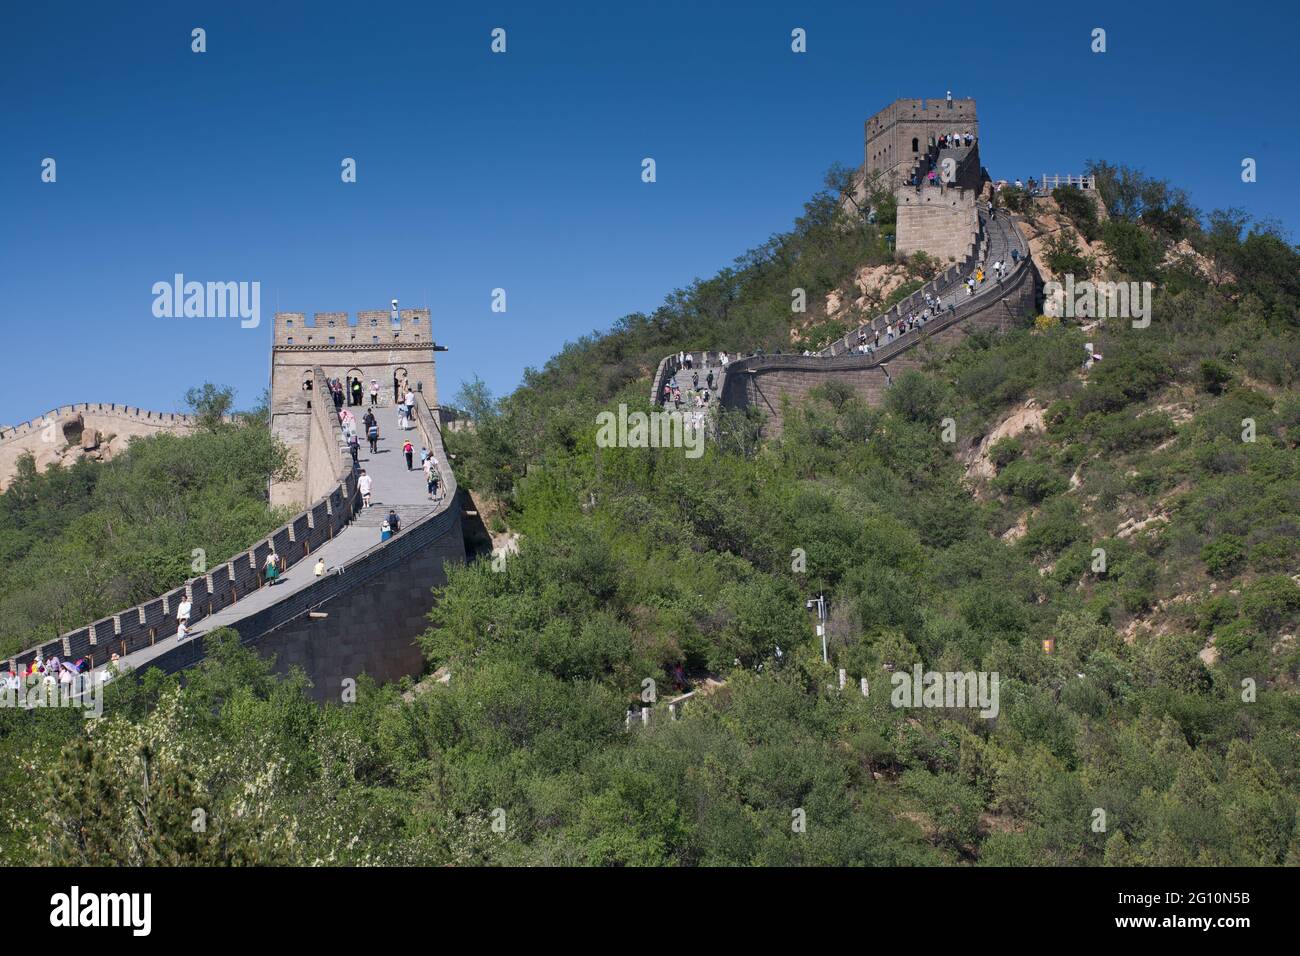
pixel 902 132
pixel 942 109
pixel 64 412
pixel 326 329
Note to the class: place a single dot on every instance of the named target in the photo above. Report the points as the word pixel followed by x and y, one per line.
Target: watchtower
pixel 393 349
pixel 900 135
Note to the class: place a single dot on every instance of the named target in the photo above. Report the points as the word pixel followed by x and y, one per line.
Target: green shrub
pixel 1235 638
pixel 1123 432
pixel 1214 376
pixel 1031 481
pixel 1080 211
pixel 1004 451
pixel 1274 554
pixel 1270 602
pixel 1223 555
pixel 1214 612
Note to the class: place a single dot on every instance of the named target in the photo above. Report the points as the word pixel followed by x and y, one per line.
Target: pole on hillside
pixel 820 605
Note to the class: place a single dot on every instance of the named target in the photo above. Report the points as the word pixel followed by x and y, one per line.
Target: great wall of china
pixel 945 220
pixel 92 429
pixel 365 614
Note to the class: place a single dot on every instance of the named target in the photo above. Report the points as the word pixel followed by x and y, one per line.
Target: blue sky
pixel 522 170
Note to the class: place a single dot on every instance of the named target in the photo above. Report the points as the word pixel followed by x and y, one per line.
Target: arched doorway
pixel 356 387
pixel 399 385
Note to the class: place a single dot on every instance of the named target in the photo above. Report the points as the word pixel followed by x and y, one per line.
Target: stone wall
pixel 372 347
pixel 371 609
pixel 940 221
pixel 891 134
pixel 767 383
pixel 135 628
pixel 49 438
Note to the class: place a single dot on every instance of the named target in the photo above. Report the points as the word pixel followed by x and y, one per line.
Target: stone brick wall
pixel 767 383
pixel 372 610
pixel 940 221
pixel 374 607
pixel 889 134
pixel 370 348
pixel 46 443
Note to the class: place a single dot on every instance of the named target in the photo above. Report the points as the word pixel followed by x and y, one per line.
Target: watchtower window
pixel 373 323
pixel 291 340
pixel 331 340
pixel 374 339
pixel 288 323
pixel 331 323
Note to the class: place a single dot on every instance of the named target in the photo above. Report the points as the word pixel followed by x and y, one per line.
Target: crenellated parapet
pixel 340 330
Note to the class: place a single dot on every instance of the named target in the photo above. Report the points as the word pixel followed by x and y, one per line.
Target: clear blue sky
pixel 522 170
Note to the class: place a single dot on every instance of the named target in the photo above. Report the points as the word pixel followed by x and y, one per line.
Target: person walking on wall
pixel 354 446
pixel 409 451
pixel 356 392
pixel 374 392
pixel 272 568
pixel 372 433
pixel 430 476
pixel 364 484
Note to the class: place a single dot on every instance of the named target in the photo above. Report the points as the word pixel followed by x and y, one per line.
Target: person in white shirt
pixel 182 629
pixel 363 485
pixel 183 610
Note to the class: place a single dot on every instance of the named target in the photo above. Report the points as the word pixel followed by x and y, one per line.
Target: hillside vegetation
pixel 1148 528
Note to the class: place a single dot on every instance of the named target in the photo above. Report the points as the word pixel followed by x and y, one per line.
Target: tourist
pixel 374 392
pixel 410 403
pixel 689 359
pixel 372 433
pixel 708 379
pixel 356 392
pixel 393 521
pixel 424 455
pixel 183 609
pixel 182 631
pixel 354 446
pixel 409 451
pixel 272 568
pixel 364 485
pixel 320 567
